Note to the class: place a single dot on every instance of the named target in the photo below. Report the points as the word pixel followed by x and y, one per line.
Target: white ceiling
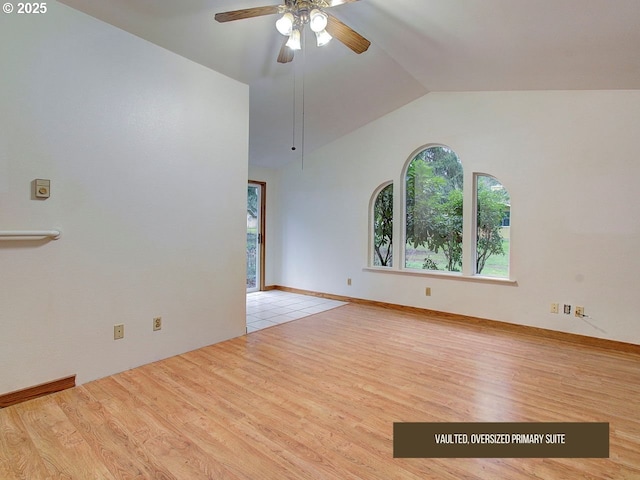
pixel 418 46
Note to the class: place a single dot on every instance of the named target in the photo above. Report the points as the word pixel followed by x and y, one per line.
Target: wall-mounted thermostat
pixel 43 188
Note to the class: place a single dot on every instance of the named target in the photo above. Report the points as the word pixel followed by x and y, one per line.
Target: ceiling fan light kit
pixel 295 14
pixel 284 25
pixel 294 40
pixel 322 38
pixel 318 20
pixel 300 14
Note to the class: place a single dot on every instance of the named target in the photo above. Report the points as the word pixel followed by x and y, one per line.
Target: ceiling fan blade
pixel 247 13
pixel 347 35
pixel 286 54
pixel 335 3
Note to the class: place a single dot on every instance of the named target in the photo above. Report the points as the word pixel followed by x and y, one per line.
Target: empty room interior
pixel 253 241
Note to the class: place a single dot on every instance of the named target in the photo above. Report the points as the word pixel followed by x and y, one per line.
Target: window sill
pixel 442 275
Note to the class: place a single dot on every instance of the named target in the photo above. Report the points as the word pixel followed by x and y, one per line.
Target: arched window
pixel 432 239
pixel 434 201
pixel 382 227
pixel 493 220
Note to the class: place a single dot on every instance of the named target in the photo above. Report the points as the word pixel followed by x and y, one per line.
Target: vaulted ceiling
pixel 417 47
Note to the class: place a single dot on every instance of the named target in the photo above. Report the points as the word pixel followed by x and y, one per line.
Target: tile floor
pixel 266 309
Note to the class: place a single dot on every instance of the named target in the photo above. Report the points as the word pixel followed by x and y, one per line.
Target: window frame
pixel 474 228
pixel 469 236
pixel 403 212
pixel 371 249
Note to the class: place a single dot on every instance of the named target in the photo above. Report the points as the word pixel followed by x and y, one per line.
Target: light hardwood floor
pixel 316 398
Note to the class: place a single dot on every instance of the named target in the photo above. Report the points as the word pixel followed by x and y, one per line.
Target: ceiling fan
pixel 298 13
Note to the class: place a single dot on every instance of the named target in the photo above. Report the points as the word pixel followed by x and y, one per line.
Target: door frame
pixel 261 232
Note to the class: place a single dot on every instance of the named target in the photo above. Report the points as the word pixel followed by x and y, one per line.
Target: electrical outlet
pixel 118 331
pixel 427 291
pixel 567 309
pixel 554 308
pixel 157 324
pixel 580 312
pixel 349 281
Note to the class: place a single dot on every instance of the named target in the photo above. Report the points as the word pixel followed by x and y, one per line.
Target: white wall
pixel 147 155
pixel 570 163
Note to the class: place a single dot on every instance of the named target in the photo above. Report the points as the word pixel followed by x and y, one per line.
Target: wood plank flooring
pixel 316 398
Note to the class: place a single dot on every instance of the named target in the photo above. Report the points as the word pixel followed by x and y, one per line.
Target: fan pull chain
pixel 293 116
pixel 304 63
pixel 295 91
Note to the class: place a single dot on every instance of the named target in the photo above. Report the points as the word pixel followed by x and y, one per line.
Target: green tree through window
pixel 434 216
pixel 434 201
pixel 383 228
pixel 492 237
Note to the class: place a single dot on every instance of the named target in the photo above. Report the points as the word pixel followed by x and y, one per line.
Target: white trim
pixel 442 275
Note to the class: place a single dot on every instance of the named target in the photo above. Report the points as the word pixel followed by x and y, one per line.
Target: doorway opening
pixel 255 235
